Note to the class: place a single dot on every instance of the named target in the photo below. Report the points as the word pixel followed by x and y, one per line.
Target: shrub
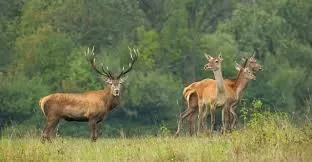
pixel 19 98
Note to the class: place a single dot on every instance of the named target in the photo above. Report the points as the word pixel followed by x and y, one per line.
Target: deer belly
pixel 82 119
pixel 74 114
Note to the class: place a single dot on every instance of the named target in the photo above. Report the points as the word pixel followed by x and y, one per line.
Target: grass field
pixel 266 137
pixel 208 148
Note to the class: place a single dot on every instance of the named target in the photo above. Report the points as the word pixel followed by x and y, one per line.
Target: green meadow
pixel 266 137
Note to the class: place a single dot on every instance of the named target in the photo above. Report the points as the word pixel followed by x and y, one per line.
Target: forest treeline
pixel 43 42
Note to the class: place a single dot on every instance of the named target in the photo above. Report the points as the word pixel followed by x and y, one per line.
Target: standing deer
pixel 214 64
pixel 250 62
pixel 91 106
pixel 197 92
pixel 236 86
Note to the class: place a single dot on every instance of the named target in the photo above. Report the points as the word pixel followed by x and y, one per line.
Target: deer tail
pixel 42 102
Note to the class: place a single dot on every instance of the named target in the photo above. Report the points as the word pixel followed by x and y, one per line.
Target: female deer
pixel 194 92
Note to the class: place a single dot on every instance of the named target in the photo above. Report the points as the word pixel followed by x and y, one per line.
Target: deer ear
pixel 244 59
pixel 208 57
pixel 107 80
pixel 123 79
pixel 220 57
pixel 253 54
pixel 238 67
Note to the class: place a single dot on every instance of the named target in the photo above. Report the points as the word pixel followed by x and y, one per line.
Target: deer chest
pixel 221 99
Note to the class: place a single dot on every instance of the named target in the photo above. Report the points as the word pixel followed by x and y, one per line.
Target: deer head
pixel 247 73
pixel 251 63
pixel 114 81
pixel 214 63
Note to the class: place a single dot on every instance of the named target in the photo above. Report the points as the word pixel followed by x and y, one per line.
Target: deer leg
pixel 182 116
pixel 233 116
pixel 179 122
pixel 179 125
pixel 189 120
pixel 93 130
pixel 52 128
pixel 212 118
pixel 200 114
pixel 223 120
pixel 192 117
pixel 204 118
pixel 225 117
pixel 191 123
pixel 55 131
pixel 46 132
pixel 194 122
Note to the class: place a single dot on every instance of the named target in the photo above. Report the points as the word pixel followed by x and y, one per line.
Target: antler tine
pixel 133 54
pixel 90 56
pixel 109 74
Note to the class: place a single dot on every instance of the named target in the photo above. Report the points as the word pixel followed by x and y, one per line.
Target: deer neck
pixel 220 81
pixel 110 100
pixel 240 83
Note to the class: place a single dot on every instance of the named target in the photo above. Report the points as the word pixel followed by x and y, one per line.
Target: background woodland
pixel 42 44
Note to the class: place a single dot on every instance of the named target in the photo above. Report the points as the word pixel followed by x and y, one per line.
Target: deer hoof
pixel 93 139
pixel 42 139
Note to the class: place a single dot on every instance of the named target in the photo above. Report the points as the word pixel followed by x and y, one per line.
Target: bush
pixel 19 98
pixel 268 131
pixel 152 97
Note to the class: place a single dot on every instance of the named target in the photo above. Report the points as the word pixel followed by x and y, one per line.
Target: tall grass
pixel 266 136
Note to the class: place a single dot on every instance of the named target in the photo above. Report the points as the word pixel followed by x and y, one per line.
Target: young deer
pixel 90 106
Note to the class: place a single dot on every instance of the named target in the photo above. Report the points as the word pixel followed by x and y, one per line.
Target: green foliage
pixel 44 54
pixel 19 98
pixel 268 131
pixel 43 41
pixel 158 101
pixel 163 130
pixel 148 44
pixel 81 77
pixel 9 19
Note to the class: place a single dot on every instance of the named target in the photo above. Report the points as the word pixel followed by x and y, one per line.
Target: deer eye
pixel 217 61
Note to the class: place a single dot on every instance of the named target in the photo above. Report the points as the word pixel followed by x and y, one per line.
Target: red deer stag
pixel 91 106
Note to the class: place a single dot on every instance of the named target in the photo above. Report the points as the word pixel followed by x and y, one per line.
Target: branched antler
pixel 134 55
pixel 90 56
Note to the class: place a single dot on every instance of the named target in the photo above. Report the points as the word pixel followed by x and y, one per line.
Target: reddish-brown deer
pixel 214 64
pixel 239 85
pixel 196 92
pixel 235 87
pixel 91 106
